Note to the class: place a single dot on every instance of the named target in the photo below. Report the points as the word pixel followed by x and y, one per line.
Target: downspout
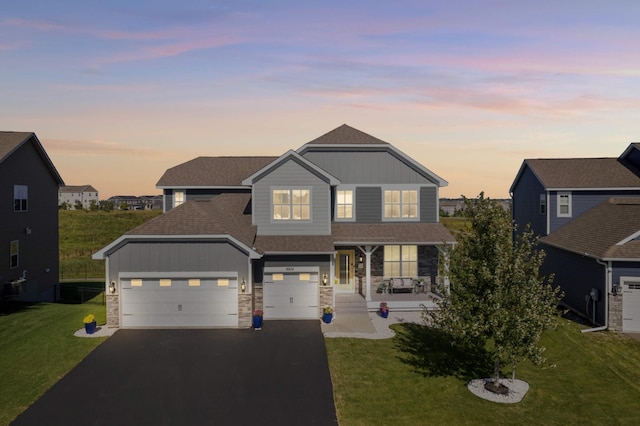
pixel 607 287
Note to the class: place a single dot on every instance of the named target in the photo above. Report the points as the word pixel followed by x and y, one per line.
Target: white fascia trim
pixel 439 181
pixel 203 187
pixel 291 154
pixel 615 259
pixel 104 252
pixel 304 253
pixel 394 243
pixel 629 238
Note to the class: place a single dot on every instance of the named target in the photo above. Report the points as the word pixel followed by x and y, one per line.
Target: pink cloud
pixel 102 148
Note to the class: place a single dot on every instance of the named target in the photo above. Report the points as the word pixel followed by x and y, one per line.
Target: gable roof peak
pixel 346 135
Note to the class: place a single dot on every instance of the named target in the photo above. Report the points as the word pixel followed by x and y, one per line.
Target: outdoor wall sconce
pixel 112 287
pixel 360 260
pixel 325 279
pixel 243 285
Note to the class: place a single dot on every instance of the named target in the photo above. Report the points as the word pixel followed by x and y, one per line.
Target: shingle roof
pixel 599 232
pixel 77 188
pixel 584 173
pixel 295 243
pixel 213 171
pixel 11 141
pixel 346 135
pixel 226 214
pixel 378 233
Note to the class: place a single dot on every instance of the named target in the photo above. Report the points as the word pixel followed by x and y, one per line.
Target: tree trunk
pixel 513 373
pixel 496 372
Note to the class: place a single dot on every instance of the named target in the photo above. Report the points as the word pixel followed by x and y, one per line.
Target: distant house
pixel 133 202
pixel 345 214
pixel 452 207
pixel 587 211
pixel 83 194
pixel 29 185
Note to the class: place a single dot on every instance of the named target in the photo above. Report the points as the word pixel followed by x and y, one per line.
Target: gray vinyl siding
pixel 366 167
pixel 526 203
pixel 38 251
pixel 292 175
pixel 368 204
pixel 429 204
pixel 177 257
pixel 576 275
pixel 581 201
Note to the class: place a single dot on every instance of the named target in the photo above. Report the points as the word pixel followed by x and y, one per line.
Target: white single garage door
pixel 176 302
pixel 290 293
pixel 631 305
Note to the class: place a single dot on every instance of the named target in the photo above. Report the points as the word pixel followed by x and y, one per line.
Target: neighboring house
pixel 456 206
pixel 342 214
pixel 29 219
pixel 587 212
pixel 83 194
pixel 133 202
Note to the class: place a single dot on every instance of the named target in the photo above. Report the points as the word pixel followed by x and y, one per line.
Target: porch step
pixel 347 303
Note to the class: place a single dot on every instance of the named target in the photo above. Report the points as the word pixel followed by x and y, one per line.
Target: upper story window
pixel 291 204
pixel 178 198
pixel 401 204
pixel 543 203
pixel 564 204
pixel 20 198
pixel 14 251
pixel 344 204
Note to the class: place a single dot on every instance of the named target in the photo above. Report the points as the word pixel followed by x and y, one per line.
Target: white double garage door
pixel 179 300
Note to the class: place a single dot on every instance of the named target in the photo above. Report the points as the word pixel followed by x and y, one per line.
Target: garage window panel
pixel 194 282
pixel 165 283
pixel 223 282
pixel 304 277
pixel 136 282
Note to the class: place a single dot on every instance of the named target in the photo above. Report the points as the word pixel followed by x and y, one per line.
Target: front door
pixel 345 264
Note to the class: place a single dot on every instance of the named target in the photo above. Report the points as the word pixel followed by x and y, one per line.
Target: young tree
pixel 496 294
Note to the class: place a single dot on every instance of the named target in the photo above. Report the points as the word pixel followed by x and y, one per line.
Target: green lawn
pixel 415 378
pixel 82 233
pixel 38 348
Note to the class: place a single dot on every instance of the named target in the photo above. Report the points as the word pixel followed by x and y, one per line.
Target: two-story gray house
pixel 587 213
pixel 342 214
pixel 28 219
pixel 78 195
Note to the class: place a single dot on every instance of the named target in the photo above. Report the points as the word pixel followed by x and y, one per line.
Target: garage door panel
pixel 290 297
pixel 177 304
pixel 631 305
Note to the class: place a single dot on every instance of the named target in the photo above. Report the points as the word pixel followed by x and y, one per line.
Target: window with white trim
pixel 401 204
pixel 543 203
pixel 344 204
pixel 400 261
pixel 20 198
pixel 178 198
pixel 14 253
pixel 564 204
pixel 291 204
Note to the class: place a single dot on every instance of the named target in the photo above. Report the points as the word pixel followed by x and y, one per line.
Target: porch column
pixel 367 252
pixel 445 257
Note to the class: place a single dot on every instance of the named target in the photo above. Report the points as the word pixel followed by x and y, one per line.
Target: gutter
pixel 607 287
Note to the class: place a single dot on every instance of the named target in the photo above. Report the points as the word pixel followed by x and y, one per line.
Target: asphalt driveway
pixel 278 375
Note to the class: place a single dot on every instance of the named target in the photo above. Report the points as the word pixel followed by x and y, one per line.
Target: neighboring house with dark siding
pixel 587 211
pixel 342 214
pixel 29 185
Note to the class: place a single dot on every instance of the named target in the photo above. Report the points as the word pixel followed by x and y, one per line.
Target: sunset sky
pixel 119 91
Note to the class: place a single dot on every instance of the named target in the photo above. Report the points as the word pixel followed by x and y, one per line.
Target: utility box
pixel 595 295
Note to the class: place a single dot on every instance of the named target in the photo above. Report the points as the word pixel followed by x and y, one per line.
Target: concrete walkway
pixel 369 325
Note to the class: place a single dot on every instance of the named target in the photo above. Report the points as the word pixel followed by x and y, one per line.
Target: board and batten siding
pixel 581 202
pixel 576 275
pixel 368 201
pixel 366 167
pixel 291 175
pixel 145 256
pixel 429 204
pixel 624 269
pixel 526 203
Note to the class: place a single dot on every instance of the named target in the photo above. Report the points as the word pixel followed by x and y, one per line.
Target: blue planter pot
pixel 257 322
pixel 326 318
pixel 90 328
pixel 384 314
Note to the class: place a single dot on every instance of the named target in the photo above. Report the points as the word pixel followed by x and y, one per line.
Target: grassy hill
pixel 82 233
